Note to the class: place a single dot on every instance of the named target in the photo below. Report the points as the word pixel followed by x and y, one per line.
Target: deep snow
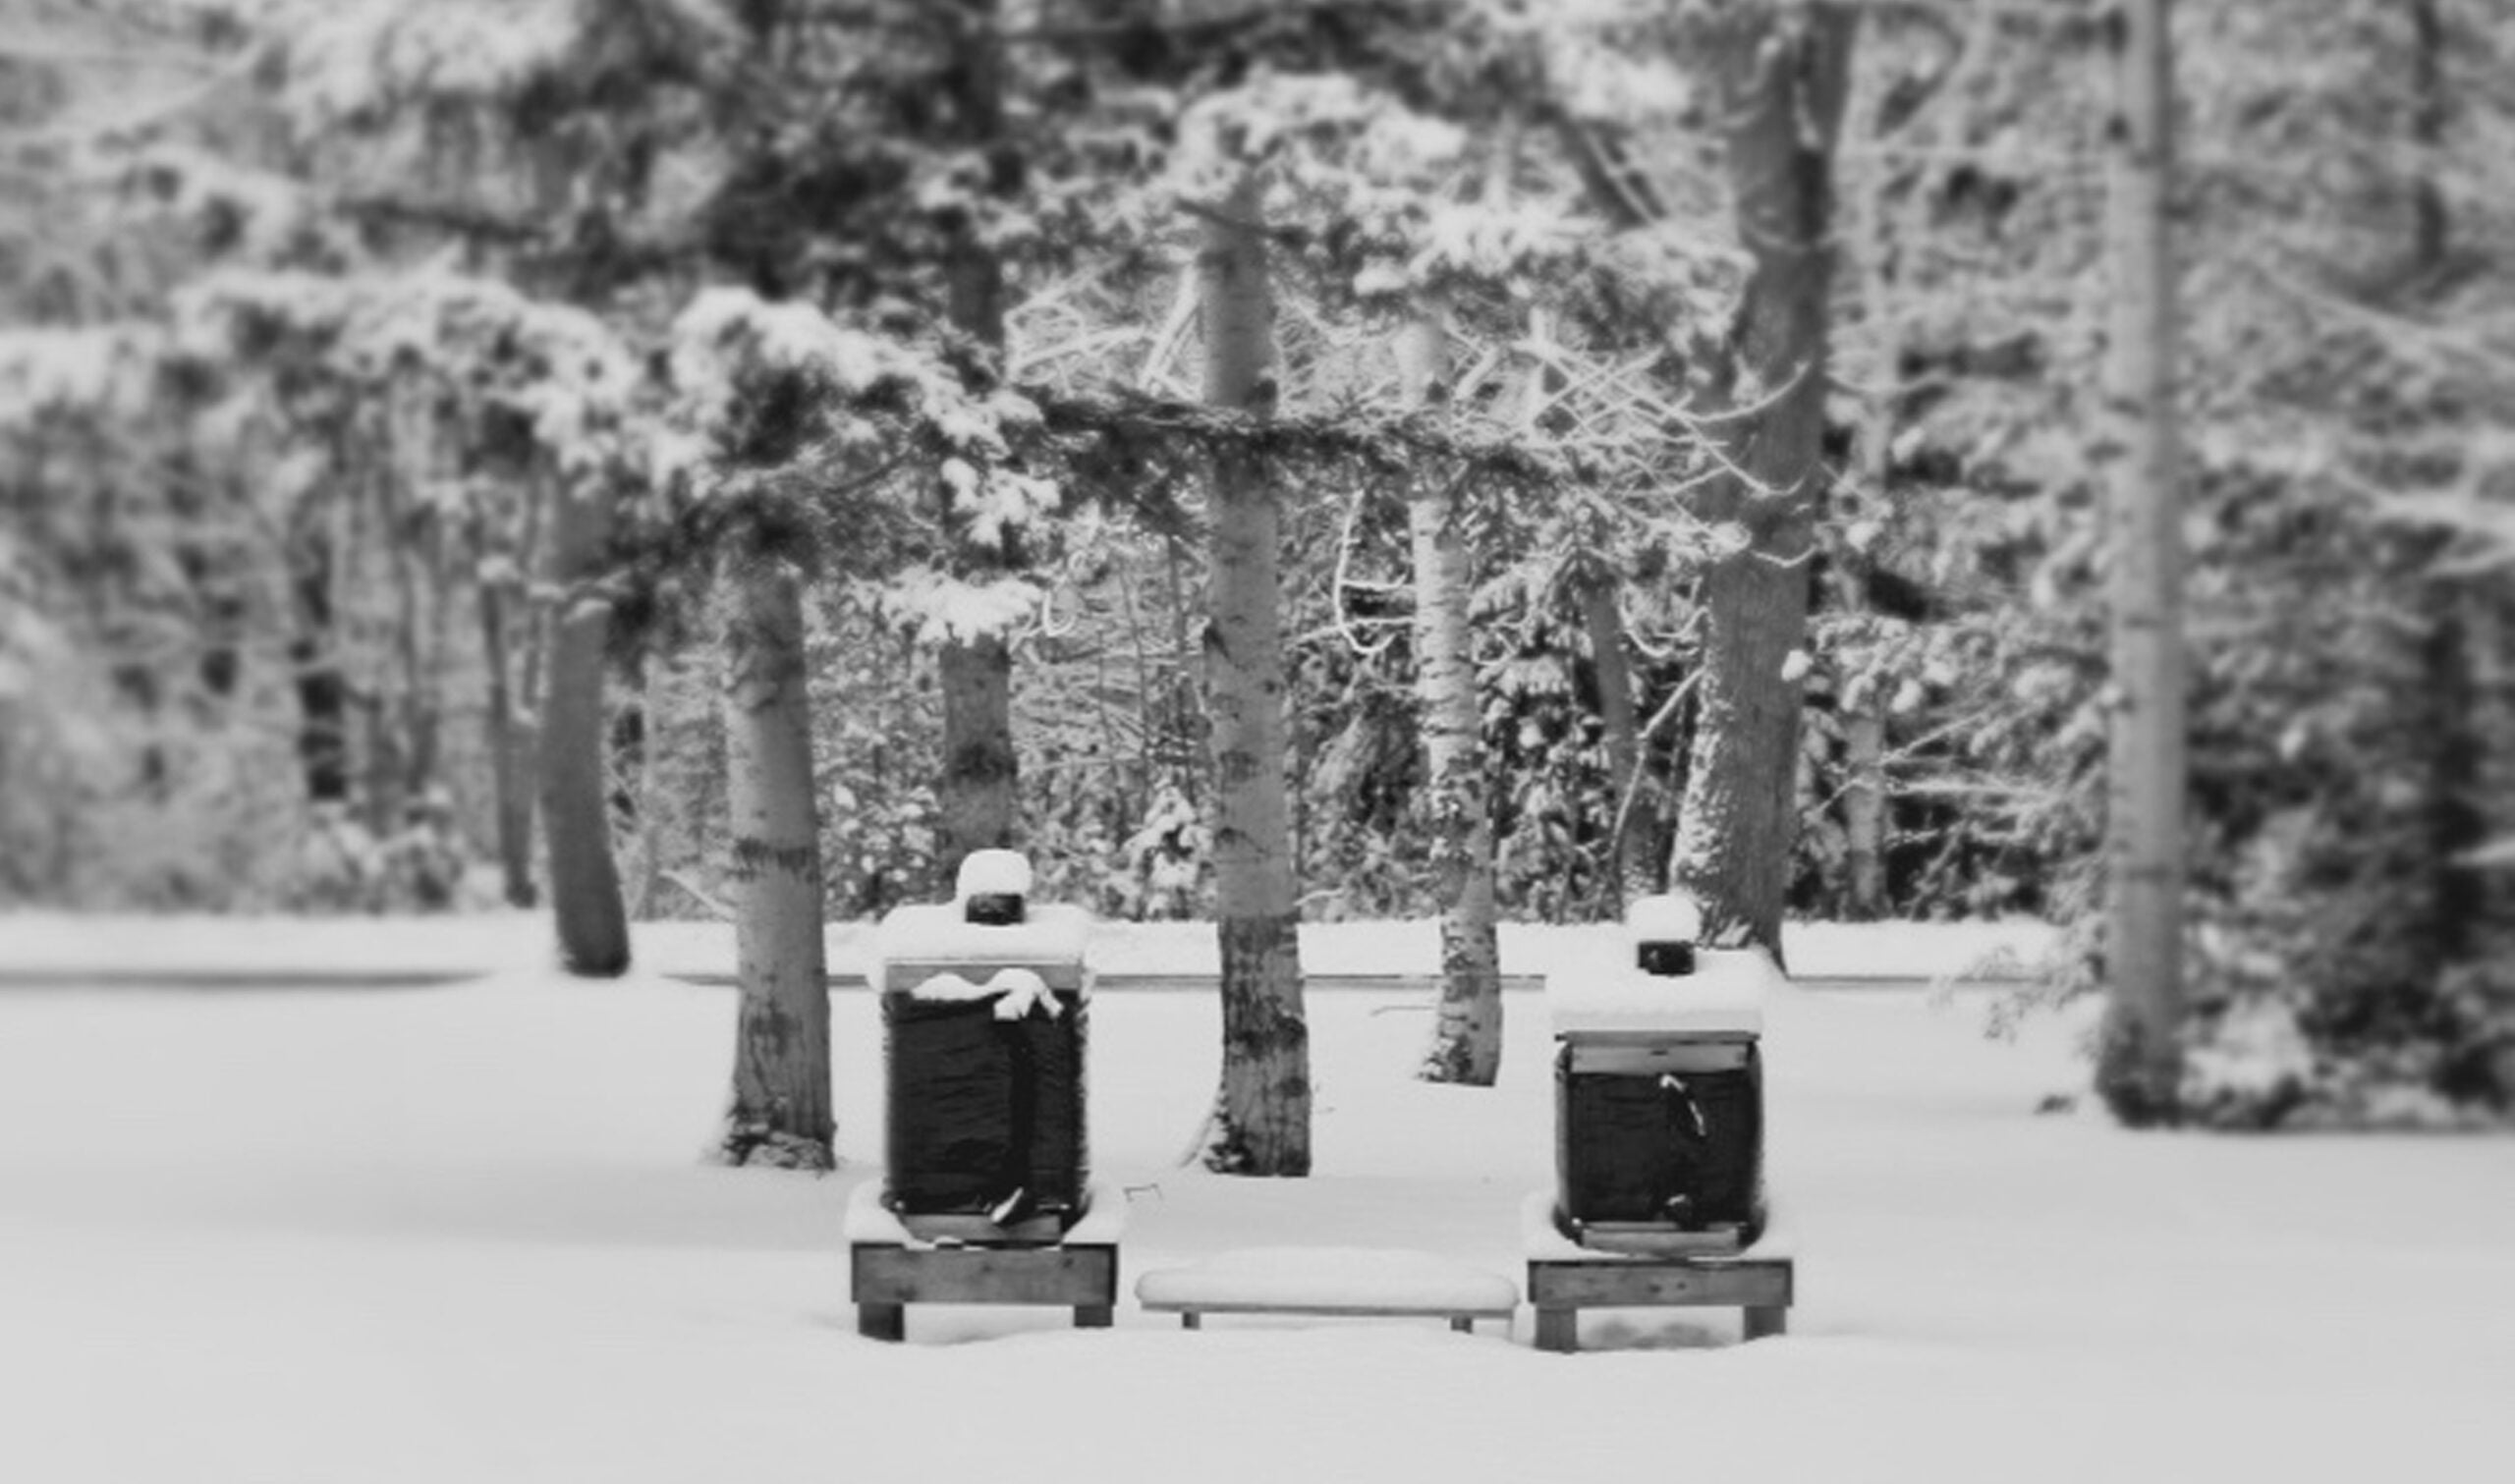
pixel 461 1233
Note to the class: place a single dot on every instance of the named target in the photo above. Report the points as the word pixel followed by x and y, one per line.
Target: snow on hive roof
pixel 1672 918
pixel 1724 996
pixel 993 873
pixel 936 933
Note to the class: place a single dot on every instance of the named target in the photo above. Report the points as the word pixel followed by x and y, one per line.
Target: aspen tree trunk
pixel 1783 79
pixel 576 813
pixel 781 1107
pixel 981 770
pixel 510 750
pixel 2139 1062
pixel 1262 1115
pixel 1467 1030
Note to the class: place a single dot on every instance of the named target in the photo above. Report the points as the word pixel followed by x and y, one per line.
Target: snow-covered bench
pixel 1338 1282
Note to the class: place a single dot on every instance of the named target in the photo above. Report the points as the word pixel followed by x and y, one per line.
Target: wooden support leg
pixel 882 1321
pixel 1463 1324
pixel 1094 1316
pixel 1765 1321
pixel 1191 1321
pixel 1558 1330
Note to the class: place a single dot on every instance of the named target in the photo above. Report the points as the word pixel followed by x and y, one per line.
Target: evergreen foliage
pixel 315 311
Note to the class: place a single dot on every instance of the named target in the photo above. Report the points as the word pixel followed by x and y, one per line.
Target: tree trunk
pixel 1628 868
pixel 781 1108
pixel 510 751
pixel 1783 83
pixel 979 802
pixel 656 813
pixel 2140 1063
pixel 2431 225
pixel 1262 1115
pixel 1467 1030
pixel 576 809
pixel 979 767
pixel 1864 809
pixel 2456 825
pixel 323 694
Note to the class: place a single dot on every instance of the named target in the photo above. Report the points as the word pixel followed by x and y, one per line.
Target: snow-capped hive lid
pixel 994 887
pixel 1724 996
pixel 917 940
pixel 1663 931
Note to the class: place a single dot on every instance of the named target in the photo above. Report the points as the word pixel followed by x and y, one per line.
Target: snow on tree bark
pixel 2140 1063
pixel 781 1103
pixel 1262 1115
pixel 1782 81
pixel 1467 1027
pixel 576 808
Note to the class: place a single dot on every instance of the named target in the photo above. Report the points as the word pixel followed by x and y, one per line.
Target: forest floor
pixel 462 1232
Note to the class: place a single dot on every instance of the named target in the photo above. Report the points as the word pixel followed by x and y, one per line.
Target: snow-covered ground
pixel 66 946
pixel 462 1234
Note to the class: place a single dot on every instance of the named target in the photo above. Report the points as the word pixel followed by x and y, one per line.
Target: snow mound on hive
pixel 1672 918
pixel 993 873
pixel 1724 996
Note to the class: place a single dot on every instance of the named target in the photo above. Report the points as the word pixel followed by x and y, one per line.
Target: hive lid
pixel 1724 996
pixel 932 936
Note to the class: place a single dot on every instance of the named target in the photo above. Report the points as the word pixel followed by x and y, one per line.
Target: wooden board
pixel 979 1231
pixel 1654 1053
pixel 1660 1240
pixel 1642 1283
pixel 1081 1277
pixel 1334 1310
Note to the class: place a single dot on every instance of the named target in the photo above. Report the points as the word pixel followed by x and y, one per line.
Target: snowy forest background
pixel 374 375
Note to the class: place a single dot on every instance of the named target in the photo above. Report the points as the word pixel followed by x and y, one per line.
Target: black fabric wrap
pixel 1627 1147
pixel 978 1108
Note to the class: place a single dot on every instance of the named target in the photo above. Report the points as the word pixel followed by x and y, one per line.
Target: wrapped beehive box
pixel 985 1004
pixel 1659 1088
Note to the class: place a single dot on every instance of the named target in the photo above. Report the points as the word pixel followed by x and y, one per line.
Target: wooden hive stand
pixel 890 1268
pixel 1565 1278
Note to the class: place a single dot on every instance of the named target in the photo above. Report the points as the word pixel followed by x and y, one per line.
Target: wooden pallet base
pixel 1561 1287
pixel 885 1278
